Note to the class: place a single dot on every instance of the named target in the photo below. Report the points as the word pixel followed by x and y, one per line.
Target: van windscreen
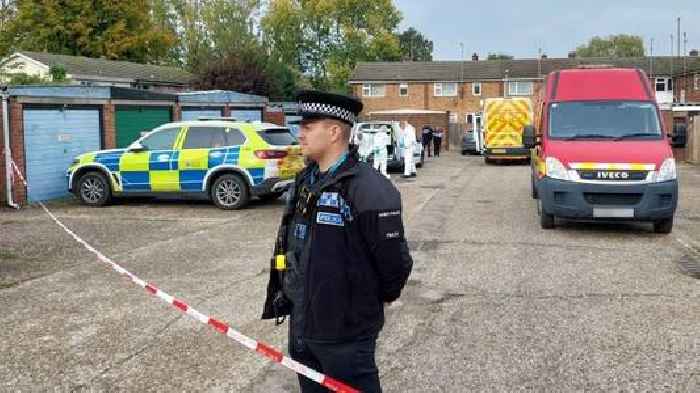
pixel 604 119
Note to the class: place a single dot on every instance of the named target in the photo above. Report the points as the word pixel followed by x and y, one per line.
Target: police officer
pixel 340 253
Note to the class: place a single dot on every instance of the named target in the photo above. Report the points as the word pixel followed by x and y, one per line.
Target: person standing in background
pixel 437 141
pixel 408 142
pixel 380 142
pixel 426 139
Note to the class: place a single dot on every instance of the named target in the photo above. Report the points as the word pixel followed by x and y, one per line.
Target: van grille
pixel 612 198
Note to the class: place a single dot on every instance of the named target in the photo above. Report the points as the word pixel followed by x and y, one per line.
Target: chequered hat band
pixel 328 110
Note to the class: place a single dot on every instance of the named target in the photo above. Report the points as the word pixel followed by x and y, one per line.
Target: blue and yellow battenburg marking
pixel 170 170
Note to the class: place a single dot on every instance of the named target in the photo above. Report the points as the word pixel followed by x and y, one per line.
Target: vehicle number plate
pixel 613 213
pixel 498 151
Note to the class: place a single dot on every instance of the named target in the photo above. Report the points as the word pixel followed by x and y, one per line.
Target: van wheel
pixel 94 189
pixel 533 188
pixel 546 220
pixel 229 192
pixel 663 226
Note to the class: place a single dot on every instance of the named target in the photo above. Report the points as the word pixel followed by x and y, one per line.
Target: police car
pixel 221 159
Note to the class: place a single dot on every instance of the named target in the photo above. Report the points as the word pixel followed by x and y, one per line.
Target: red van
pixel 599 150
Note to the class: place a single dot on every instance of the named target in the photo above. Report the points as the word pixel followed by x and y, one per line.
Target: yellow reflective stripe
pixel 87 158
pixel 612 166
pixel 280 262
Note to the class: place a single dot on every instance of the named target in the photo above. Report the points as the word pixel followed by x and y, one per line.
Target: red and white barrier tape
pixel 222 327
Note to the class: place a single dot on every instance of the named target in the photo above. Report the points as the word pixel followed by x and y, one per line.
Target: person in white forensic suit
pixel 408 143
pixel 366 145
pixel 381 156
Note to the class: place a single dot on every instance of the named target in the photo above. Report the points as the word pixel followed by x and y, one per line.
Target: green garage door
pixel 131 121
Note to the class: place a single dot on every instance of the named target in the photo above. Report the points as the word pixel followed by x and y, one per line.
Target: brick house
pixel 459 88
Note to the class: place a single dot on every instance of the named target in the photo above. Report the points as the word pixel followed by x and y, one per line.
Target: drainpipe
pixel 8 152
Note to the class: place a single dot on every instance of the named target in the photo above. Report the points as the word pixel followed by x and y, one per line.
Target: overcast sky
pixel 519 28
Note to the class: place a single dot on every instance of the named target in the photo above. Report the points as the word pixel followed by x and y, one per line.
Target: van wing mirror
pixel 529 139
pixel 679 138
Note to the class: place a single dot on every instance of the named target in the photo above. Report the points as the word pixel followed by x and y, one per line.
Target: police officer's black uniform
pixel 340 255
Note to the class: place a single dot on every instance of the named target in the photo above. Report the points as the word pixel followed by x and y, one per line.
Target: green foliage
pixel 311 43
pixel 499 56
pixel 415 47
pixel 621 45
pixel 58 73
pixel 94 28
pixel 249 71
pixel 324 39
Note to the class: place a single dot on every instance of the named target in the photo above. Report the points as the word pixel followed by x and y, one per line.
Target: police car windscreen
pixel 279 137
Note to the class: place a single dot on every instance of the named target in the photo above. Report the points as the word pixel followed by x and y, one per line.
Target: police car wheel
pixel 229 192
pixel 93 189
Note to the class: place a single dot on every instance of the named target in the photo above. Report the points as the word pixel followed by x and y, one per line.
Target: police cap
pixel 319 105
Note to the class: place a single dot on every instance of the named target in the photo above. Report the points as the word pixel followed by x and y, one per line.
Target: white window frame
pixel 515 91
pixel 373 89
pixel 696 82
pixel 403 86
pixel 439 89
pixel 474 86
pixel 667 82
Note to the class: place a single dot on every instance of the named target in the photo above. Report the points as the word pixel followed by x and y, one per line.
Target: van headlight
pixel 555 169
pixel 667 171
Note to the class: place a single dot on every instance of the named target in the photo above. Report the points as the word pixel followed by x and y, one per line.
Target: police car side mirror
pixel 136 147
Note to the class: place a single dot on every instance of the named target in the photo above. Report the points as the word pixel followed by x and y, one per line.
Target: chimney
pixel 572 54
pixel 475 57
pixel 693 53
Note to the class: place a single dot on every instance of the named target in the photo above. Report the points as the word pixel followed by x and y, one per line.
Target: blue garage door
pixel 52 139
pixel 194 114
pixel 246 114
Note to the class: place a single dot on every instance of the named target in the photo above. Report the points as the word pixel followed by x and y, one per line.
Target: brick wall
pixel 3 197
pixel 109 133
pixel 274 116
pixel 19 193
pixel 421 96
pixel 686 83
pixel 177 112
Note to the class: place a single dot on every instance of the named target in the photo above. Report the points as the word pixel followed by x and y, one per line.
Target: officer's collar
pixel 346 169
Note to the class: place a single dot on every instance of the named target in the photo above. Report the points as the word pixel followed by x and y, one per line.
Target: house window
pixel 372 90
pixel 476 88
pixel 403 89
pixel 445 89
pixel 519 88
pixel 696 82
pixel 664 84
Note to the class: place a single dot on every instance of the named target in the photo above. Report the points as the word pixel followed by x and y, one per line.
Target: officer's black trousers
pixel 436 146
pixel 349 362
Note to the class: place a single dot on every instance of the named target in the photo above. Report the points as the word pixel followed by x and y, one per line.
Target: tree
pixel 250 71
pixel 324 39
pixel 415 47
pixel 95 28
pixel 621 45
pixel 499 56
